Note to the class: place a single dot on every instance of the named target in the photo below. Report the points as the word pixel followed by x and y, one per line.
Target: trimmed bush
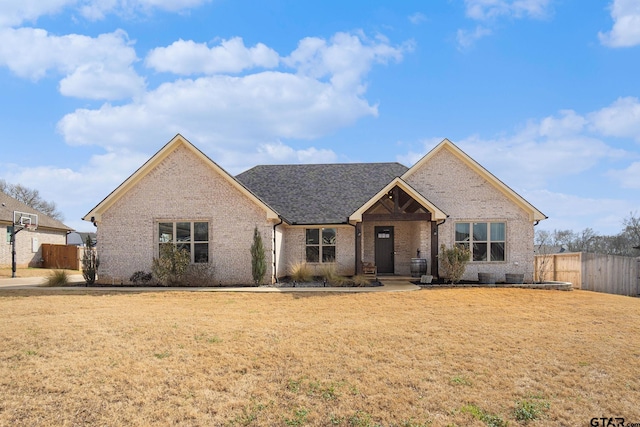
pixel 258 259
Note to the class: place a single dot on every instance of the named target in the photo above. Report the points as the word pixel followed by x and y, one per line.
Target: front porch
pixel 398 229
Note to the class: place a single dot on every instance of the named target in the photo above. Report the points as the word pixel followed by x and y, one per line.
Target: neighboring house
pixel 79 238
pixel 338 214
pixel 28 249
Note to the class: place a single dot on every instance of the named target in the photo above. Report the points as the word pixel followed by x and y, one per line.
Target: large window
pixel 321 244
pixel 485 240
pixel 190 236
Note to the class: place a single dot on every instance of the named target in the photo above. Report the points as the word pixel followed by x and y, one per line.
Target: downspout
pixel 275 275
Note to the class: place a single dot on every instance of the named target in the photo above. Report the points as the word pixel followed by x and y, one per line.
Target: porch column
pixel 358 248
pixel 434 248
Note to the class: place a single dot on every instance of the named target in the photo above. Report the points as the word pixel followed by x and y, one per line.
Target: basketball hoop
pixel 30 227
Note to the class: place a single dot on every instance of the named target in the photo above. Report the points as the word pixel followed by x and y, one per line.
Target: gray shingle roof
pixel 319 194
pixel 9 204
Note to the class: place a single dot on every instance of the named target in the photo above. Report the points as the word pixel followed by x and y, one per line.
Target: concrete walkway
pixel 37 284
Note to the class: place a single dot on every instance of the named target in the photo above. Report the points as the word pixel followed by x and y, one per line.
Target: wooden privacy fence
pixel 61 256
pixel 593 272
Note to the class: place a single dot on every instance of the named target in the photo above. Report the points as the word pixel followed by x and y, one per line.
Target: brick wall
pixel 182 188
pixel 294 249
pixel 463 194
pixel 25 256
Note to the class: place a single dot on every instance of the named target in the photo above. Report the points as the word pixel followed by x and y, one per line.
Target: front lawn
pixel 439 357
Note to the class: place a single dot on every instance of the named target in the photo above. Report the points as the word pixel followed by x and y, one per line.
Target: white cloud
pixel 628 177
pixel 467 38
pixel 482 10
pixel 345 59
pixel 417 18
pixel 322 95
pixel 281 153
pixel 16 12
pixel 553 148
pixel 620 119
pixel 98 9
pixel 77 191
pixel 489 11
pixel 626 25
pixel 570 212
pixel 95 68
pixel 13 12
pixel 231 56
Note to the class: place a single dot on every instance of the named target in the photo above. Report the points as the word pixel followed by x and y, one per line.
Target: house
pixel 79 238
pixel 339 214
pixel 28 243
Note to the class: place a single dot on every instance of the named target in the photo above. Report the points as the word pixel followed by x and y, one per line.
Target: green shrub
pixel 300 272
pixel 90 262
pixel 453 262
pixel 530 409
pixel 490 420
pixel 171 265
pixel 258 259
pixel 58 278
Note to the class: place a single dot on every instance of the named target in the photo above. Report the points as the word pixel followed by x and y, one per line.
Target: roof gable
pixel 319 193
pixel 534 213
pixel 436 213
pixel 177 141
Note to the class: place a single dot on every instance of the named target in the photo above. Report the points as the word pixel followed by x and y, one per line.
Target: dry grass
pixel 5 272
pixel 438 357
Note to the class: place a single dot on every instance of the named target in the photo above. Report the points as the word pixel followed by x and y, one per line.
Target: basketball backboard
pixel 25 220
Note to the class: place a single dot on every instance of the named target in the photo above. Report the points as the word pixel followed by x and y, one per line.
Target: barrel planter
pixel 486 279
pixel 513 278
pixel 418 267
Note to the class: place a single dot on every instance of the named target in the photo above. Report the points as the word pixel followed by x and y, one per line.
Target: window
pixel 190 236
pixel 485 240
pixel 321 244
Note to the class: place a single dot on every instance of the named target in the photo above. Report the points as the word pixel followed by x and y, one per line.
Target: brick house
pixel 343 214
pixel 28 244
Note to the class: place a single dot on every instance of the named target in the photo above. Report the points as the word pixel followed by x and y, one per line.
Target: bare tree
pixel 632 228
pixel 543 241
pixel 31 198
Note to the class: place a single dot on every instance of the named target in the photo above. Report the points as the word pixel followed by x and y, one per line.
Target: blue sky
pixel 544 94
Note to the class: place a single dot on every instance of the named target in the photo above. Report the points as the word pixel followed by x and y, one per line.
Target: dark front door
pixel 384 249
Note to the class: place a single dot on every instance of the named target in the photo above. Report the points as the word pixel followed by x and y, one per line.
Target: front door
pixel 384 249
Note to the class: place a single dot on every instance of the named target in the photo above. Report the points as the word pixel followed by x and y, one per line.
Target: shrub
pixel 330 274
pixel 58 278
pixel 453 262
pixel 171 265
pixel 90 262
pixel 140 277
pixel 300 272
pixel 491 420
pixel 360 280
pixel 529 410
pixel 258 259
pixel 200 274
